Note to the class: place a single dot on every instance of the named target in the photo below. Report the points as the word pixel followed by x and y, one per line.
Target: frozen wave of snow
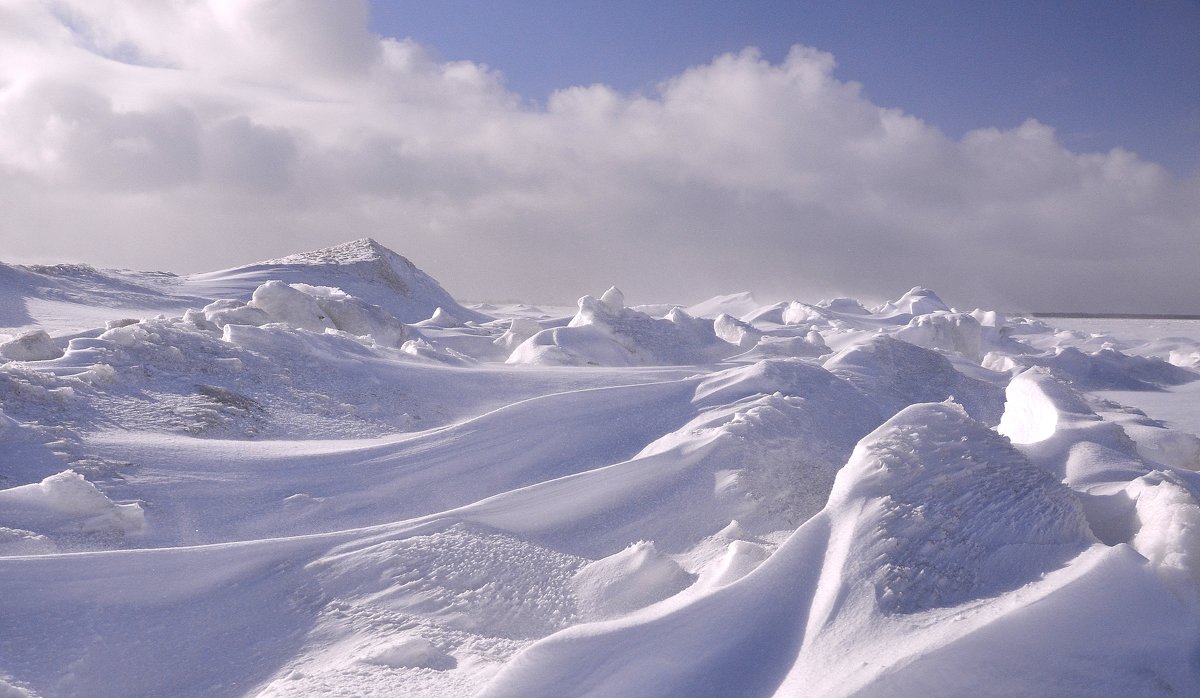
pixel 321 475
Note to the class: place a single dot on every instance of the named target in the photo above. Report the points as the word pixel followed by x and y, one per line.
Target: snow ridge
pixel 362 268
pixel 319 475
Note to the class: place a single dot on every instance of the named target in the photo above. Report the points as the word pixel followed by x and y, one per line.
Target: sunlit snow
pixel 322 475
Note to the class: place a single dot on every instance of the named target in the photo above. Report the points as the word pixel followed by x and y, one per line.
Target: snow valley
pixel 322 475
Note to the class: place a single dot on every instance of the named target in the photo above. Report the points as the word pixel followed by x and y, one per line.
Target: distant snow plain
pixel 321 475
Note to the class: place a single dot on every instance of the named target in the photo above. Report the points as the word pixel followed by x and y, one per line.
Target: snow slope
pixel 67 298
pixel 362 268
pixel 321 476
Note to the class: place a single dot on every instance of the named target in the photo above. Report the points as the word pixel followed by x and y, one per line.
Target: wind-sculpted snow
pixel 1109 369
pixel 626 581
pixel 1035 403
pixel 320 475
pixel 736 332
pixel 948 511
pixel 1052 423
pixel 957 333
pixel 74 297
pixel 606 333
pixel 844 313
pixel 894 373
pixel 918 301
pixel 362 268
pixel 59 511
pixel 31 346
pixel 898 536
pixel 734 304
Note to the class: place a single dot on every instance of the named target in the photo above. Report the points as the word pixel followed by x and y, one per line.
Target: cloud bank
pixel 197 135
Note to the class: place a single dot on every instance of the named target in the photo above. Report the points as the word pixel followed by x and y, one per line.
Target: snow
pixel 31 346
pixel 361 268
pixel 606 333
pixel 321 475
pixel 1034 403
pixel 626 581
pixel 918 301
pixel 736 332
pixel 409 652
pixel 957 333
pixel 733 304
pixel 64 506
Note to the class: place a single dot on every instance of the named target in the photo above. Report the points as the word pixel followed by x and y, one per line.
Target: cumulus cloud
pixel 194 135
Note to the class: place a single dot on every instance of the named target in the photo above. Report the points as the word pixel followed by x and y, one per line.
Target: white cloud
pixel 192 135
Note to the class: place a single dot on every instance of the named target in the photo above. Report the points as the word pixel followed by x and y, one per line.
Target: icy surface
pixel 321 475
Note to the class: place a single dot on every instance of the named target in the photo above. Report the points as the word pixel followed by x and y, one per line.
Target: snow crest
pixel 321 475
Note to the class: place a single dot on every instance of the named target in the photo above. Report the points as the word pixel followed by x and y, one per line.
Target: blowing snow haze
pixel 197 135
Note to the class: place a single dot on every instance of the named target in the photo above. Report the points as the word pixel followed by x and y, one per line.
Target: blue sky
pixel 1103 73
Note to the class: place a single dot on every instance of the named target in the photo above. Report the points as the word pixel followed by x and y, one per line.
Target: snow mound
pixel 736 332
pixel 782 453
pixel 740 559
pixel 290 306
pixel 613 300
pixel 1035 403
pixel 827 313
pixel 933 512
pixel 605 333
pixel 895 374
pixel 68 505
pixel 464 577
pixel 767 315
pixel 811 344
pixel 1168 535
pixel 362 268
pixel 68 298
pixel 312 308
pixel 846 313
pixel 1156 443
pixel 944 510
pixel 767 460
pixel 519 330
pixel 631 579
pixel 31 346
pixel 844 305
pixel 1056 428
pixel 788 377
pixel 737 305
pixel 440 318
pixel 1185 358
pixel 357 317
pixel 918 301
pixel 1109 369
pixel 414 652
pixel 232 312
pixel 956 333
pixel 797 313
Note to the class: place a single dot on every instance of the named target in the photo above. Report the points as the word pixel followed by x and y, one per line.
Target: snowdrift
pixel 67 298
pixel 362 268
pixel 58 510
pixel 606 333
pixel 937 541
pixel 321 475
